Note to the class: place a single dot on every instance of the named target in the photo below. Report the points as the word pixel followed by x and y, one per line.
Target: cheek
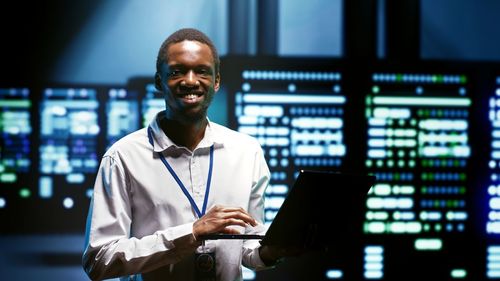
pixel 170 85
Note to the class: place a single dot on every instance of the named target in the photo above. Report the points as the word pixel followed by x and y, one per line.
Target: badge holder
pixel 204 258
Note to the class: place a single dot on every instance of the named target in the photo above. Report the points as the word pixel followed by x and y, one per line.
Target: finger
pixel 241 216
pixel 239 210
pixel 207 225
pixel 231 212
pixel 229 230
pixel 234 222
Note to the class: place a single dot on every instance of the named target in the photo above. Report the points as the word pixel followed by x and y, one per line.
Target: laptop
pixel 320 208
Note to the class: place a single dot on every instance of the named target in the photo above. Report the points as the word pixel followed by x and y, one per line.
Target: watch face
pixel 205 262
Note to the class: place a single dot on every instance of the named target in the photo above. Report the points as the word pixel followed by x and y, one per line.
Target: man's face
pixel 188 80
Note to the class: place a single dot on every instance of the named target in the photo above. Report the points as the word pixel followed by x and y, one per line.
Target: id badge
pixel 205 265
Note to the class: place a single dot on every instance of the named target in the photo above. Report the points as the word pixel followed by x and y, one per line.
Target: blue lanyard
pixel 179 182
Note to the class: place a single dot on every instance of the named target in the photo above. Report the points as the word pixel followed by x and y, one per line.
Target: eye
pixel 204 71
pixel 174 73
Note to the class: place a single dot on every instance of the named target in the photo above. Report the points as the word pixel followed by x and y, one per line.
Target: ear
pixel 217 82
pixel 158 82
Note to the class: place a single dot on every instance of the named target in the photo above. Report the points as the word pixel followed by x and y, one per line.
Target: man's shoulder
pixel 131 141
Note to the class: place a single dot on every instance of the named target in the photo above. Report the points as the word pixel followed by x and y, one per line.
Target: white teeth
pixel 190 97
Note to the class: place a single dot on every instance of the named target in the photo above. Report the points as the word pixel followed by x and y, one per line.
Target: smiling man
pixel 159 189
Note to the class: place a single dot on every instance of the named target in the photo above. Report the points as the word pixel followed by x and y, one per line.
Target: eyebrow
pixel 180 65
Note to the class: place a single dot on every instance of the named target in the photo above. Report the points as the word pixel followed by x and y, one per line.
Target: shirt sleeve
pixel 261 177
pixel 109 249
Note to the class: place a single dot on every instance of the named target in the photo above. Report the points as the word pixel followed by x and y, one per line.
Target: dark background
pixel 95 42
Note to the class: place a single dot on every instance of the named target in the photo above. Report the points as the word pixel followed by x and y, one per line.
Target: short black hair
pixel 189 34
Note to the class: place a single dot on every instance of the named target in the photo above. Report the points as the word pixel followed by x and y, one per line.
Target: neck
pixel 188 134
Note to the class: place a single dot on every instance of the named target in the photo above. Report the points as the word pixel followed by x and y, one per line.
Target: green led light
pixel 2 168
pixel 368 113
pixel 399 77
pixel 463 176
pixel 424 189
pixel 390 163
pixel 421 101
pixel 401 122
pixel 369 163
pixel 375 89
pixel 365 228
pixel 462 190
pixel 380 163
pixel 10 178
pixel 428 244
pixel 15 103
pixel 374 227
pixel 438 227
pixel 458 273
pixel 463 79
pixel 427 227
pixel 401 163
pixel 24 193
pixel 411 163
pixel 401 153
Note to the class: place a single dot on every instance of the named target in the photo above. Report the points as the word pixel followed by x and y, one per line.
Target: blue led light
pixel 246 87
pixel 290 75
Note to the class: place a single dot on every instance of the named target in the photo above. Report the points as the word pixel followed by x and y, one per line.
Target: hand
pixel 219 218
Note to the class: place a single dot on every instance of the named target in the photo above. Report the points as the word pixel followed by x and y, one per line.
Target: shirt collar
pixel 162 142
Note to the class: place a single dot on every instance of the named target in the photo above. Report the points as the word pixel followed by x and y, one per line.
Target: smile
pixel 190 97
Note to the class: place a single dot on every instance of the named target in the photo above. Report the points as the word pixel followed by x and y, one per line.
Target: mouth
pixel 190 98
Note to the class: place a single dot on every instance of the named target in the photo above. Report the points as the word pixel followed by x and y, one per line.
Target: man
pixel 160 188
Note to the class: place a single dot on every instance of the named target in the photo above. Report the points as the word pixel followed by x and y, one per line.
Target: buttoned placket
pixel 197 176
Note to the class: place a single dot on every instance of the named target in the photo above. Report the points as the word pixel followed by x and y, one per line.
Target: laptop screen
pixel 321 206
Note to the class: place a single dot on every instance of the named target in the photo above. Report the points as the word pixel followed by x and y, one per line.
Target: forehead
pixel 189 51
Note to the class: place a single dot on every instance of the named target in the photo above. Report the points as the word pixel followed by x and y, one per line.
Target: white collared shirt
pixel 140 221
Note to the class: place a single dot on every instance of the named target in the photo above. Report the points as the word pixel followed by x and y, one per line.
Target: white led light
pixel 68 203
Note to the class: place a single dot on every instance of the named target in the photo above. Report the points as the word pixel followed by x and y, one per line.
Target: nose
pixel 190 79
